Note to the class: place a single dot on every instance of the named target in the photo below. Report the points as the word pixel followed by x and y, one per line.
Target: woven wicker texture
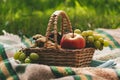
pixel 52 25
pixel 57 56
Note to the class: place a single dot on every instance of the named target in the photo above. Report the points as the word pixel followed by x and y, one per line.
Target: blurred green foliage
pixel 31 16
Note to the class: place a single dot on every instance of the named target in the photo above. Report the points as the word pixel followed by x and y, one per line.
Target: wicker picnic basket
pixel 57 56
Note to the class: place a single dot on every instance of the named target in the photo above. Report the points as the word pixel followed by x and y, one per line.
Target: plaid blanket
pixel 13 70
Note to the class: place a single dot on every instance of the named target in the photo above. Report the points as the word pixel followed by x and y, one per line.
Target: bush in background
pixel 30 17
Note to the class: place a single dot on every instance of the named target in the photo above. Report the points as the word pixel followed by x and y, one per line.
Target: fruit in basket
pixel 16 55
pixel 94 40
pixel 72 41
pixel 39 40
pixel 90 39
pixel 28 60
pixel 34 56
pixel 97 44
pixel 78 31
pixel 22 56
pixel 106 43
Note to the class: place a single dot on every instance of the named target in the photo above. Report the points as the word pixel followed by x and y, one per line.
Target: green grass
pixel 30 17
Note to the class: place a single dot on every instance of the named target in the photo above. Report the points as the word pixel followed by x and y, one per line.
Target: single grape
pixel 90 32
pixel 106 43
pixel 16 55
pixel 22 56
pixel 101 40
pixel 97 36
pixel 77 31
pixel 84 33
pixel 27 60
pixel 90 38
pixel 97 44
pixel 34 56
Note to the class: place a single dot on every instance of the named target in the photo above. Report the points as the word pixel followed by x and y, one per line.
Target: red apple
pixel 69 41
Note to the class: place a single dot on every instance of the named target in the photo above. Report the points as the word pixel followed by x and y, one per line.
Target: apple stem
pixel 73 31
pixel 73 34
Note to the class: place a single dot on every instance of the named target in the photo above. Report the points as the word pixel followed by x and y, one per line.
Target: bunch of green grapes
pixel 24 58
pixel 93 39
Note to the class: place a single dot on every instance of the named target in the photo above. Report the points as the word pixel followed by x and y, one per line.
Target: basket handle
pixel 65 26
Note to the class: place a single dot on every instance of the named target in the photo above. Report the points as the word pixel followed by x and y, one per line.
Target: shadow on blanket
pixel 12 70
